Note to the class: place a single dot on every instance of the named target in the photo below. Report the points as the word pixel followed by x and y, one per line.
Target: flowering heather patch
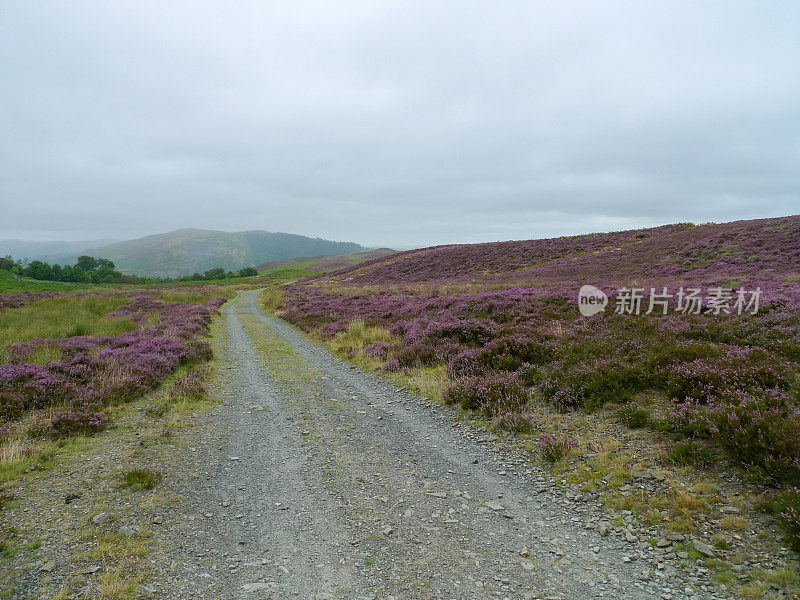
pixel 494 395
pixel 554 448
pixel 98 371
pixel 5 497
pixel 15 300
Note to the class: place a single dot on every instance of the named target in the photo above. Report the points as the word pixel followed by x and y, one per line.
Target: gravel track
pixel 345 486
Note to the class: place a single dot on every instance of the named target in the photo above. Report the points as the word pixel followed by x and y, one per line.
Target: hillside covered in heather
pixel 763 250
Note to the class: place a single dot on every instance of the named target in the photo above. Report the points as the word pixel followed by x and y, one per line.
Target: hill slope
pixel 187 251
pixel 327 263
pixel 763 249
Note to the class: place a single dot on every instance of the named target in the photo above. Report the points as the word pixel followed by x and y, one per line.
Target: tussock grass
pixel 358 334
pixel 734 523
pixel 271 298
pixel 141 479
pixel 62 317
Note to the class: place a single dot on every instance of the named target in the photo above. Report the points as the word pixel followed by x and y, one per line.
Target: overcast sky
pixel 395 123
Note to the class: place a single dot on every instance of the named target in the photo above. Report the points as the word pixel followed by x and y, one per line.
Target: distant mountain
pixel 188 251
pixel 48 251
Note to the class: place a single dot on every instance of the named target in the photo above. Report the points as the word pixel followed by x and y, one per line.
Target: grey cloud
pixel 394 123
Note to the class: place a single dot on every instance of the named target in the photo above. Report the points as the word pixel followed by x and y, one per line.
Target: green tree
pixel 87 263
pixel 7 263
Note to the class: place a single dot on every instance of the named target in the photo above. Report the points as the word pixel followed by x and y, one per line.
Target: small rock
pixel 91 570
pixel 99 518
pixel 254 587
pixel 48 566
pixel 495 505
pixel 703 548
pixel 664 543
pixel 527 565
pixel 158 520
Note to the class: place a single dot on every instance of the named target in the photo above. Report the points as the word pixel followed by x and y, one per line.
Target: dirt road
pixel 318 480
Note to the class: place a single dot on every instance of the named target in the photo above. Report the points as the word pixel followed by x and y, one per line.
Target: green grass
pixel 291 272
pixel 11 284
pixel 62 317
pixel 141 479
pixel 283 362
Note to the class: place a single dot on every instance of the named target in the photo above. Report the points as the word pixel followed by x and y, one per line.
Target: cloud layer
pixel 395 123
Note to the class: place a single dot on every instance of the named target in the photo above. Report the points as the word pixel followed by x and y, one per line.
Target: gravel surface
pixel 344 486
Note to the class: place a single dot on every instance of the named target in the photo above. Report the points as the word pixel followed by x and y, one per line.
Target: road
pixel 318 480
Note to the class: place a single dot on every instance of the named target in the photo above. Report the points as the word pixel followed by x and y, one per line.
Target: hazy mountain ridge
pixel 187 251
pixel 49 251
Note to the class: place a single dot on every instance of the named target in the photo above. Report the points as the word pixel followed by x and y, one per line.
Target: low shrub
pixel 691 453
pixel 5 498
pixel 377 350
pixel 470 332
pixel 391 366
pixel 418 354
pixel 554 447
pixel 757 431
pixel 189 387
pixel 592 385
pixel 509 353
pixel 77 421
pixel 735 369
pixel 788 508
pixel 465 364
pixel 635 418
pixel 500 396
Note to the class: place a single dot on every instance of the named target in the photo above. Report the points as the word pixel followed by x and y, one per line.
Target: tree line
pixel 88 269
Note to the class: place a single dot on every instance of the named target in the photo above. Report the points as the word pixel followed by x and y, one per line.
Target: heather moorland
pixel 495 329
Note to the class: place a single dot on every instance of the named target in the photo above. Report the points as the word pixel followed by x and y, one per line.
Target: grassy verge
pixel 61 317
pixel 102 540
pixel 90 500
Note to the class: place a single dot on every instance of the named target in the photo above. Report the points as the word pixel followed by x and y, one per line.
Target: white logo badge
pixel 591 300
